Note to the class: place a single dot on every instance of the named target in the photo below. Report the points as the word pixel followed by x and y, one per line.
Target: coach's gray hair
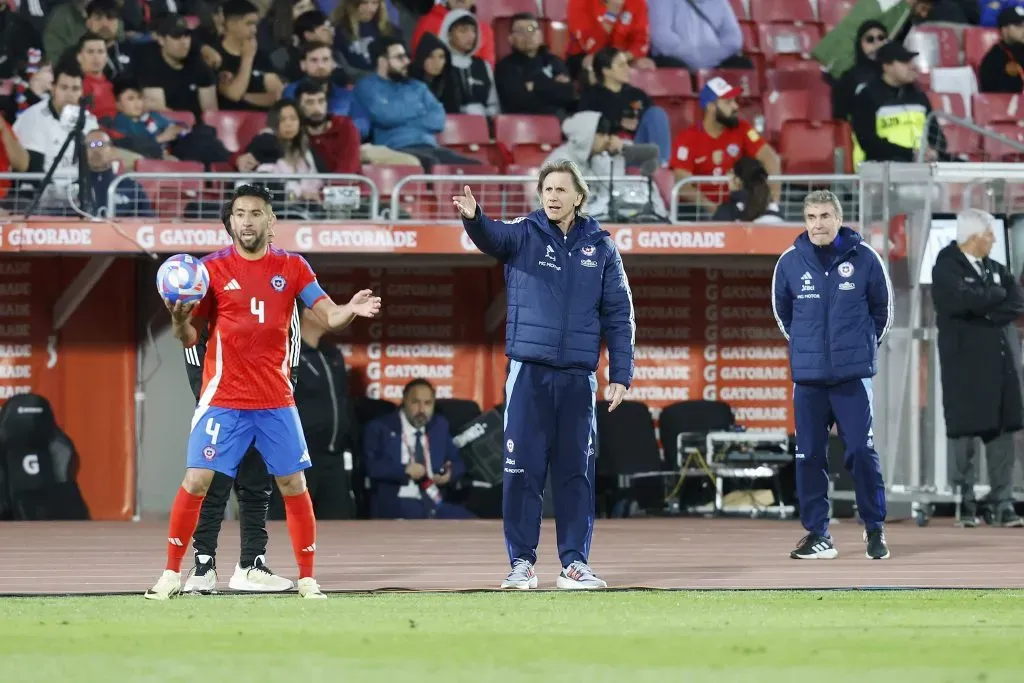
pixel 971 222
pixel 819 197
pixel 565 166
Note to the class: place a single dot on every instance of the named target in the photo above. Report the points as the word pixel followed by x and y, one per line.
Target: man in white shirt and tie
pixel 411 458
pixel 977 303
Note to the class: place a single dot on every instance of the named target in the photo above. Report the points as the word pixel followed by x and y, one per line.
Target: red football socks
pixel 184 517
pixel 302 530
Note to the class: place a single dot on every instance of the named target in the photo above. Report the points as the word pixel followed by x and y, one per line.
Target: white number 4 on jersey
pixel 256 308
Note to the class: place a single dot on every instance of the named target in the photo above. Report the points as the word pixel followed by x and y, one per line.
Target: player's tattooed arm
pixel 362 304
pixel 181 322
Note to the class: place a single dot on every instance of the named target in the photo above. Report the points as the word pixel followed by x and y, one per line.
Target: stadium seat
pixel 556 36
pixel 458 411
pixel 937 46
pixel 663 82
pixel 844 143
pixel 781 106
pixel 469 134
pixel 995 149
pixel 949 102
pixel 978 41
pixel 796 75
pixel 556 10
pixel 831 12
pixel 739 8
pixel 520 198
pixel 695 418
pixel 497 9
pixel 987 108
pixel 751 40
pixel 960 140
pixel 746 79
pixel 682 114
pixel 791 11
pixel 807 147
pixel 779 39
pixel 236 129
pixel 528 139
pixel 444 190
pixel 184 118
pixel 414 198
pixel 170 196
pixel 628 446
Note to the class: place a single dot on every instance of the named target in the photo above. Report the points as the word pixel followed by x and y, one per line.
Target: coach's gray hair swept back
pixel 565 166
pixel 819 197
pixel 971 222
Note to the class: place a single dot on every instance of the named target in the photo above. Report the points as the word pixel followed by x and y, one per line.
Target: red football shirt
pixel 697 152
pixel 249 307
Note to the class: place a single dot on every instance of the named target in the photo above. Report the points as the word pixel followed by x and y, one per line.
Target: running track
pixel 56 558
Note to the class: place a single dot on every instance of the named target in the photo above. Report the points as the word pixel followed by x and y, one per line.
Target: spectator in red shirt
pixel 712 147
pixel 597 24
pixel 92 57
pixel 432 20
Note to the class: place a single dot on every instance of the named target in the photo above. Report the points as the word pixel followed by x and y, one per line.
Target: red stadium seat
pixel 751 40
pixel 807 147
pixel 951 103
pixel 496 9
pixel 794 76
pixel 663 82
pixel 977 42
pixel 778 39
pixel 681 114
pixel 414 198
pixel 170 196
pixel 989 108
pixel 444 190
pixel 745 79
pixel 739 8
pixel 520 198
pixel 469 135
pixel 781 106
pixel 995 149
pixel 831 12
pixel 790 11
pixel 844 143
pixel 527 138
pixel 556 37
pixel 556 10
pixel 939 46
pixel 183 118
pixel 960 140
pixel 236 129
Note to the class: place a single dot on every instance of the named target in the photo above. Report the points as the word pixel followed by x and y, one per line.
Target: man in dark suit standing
pixel 410 458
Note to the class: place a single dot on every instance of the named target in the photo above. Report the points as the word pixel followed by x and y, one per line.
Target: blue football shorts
pixel 221 436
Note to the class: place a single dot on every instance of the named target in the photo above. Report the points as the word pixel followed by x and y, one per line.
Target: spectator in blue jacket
pixel 990 10
pixel 566 289
pixel 404 114
pixel 832 299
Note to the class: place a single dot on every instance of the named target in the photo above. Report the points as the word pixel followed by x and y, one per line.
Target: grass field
pixel 720 637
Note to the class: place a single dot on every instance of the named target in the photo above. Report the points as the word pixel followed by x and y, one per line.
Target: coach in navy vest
pixel 566 289
pixel 833 302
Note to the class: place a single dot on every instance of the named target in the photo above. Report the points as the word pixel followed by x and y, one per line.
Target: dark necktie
pixel 418 452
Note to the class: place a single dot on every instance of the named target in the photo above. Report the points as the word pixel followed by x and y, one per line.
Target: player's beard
pixel 255 243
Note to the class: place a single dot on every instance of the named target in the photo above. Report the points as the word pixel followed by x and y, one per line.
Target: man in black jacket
pixel 531 80
pixel 1002 69
pixel 328 422
pixel 977 304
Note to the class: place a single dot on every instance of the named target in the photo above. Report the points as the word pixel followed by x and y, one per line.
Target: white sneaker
pixel 310 589
pixel 166 587
pixel 258 578
pixel 579 576
pixel 522 577
pixel 203 578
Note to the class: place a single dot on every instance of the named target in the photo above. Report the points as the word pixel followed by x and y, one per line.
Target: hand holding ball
pixel 182 279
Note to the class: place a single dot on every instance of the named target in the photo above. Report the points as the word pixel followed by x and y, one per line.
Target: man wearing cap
pixel 173 79
pixel 977 303
pixel 889 112
pixel 712 147
pixel 1002 69
pixel 990 11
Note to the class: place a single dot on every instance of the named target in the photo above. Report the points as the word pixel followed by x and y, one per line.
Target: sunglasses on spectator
pixel 875 38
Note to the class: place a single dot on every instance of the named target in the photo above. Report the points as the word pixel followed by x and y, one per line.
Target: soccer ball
pixel 182 278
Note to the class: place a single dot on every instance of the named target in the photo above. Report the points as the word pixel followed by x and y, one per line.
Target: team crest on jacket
pixel 845 269
pixel 589 250
pixel 278 282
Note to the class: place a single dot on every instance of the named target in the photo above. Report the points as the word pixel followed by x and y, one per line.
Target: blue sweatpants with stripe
pixel 848 406
pixel 549 422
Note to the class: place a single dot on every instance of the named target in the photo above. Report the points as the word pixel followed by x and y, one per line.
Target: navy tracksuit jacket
pixel 834 305
pixel 564 293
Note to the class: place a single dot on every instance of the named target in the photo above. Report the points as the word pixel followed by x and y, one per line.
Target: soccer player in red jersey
pixel 247 392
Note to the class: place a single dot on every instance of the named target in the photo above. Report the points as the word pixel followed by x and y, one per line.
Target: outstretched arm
pixel 329 314
pixel 494 238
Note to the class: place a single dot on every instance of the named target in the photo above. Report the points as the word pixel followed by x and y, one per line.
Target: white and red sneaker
pixel 522 577
pixel 579 576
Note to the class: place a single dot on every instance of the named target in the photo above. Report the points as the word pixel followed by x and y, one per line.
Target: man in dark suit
pixel 410 458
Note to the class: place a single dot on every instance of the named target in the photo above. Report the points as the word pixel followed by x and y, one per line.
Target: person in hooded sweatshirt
pixel 591 145
pixel 460 31
pixel 432 64
pixel 870 36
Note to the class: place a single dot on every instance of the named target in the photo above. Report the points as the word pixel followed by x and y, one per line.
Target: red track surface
pixel 100 557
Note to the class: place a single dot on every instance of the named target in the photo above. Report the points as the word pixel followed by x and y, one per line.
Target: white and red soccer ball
pixel 182 278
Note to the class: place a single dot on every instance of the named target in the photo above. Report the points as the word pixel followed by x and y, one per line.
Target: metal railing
pixel 792 189
pixel 18 190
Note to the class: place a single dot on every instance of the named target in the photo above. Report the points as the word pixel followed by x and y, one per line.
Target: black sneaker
pixel 968 515
pixel 815 547
pixel 877 548
pixel 203 577
pixel 1007 517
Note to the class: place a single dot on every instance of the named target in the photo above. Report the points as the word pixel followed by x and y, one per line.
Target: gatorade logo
pixel 30 464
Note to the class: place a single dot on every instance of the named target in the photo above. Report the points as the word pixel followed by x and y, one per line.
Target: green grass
pixel 720 637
